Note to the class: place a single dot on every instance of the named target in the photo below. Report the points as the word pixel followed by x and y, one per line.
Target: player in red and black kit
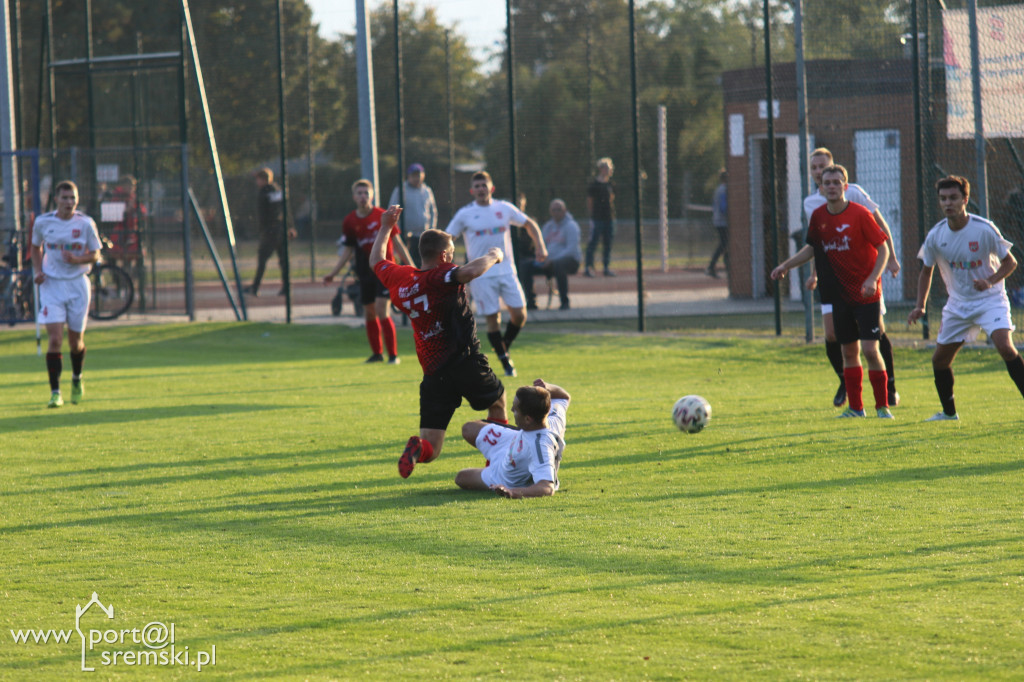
pixel 434 298
pixel 359 230
pixel 850 252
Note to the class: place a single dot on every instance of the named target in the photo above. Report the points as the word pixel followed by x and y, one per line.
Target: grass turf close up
pixel 240 482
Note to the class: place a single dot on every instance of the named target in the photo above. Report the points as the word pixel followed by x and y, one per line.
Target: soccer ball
pixel 691 413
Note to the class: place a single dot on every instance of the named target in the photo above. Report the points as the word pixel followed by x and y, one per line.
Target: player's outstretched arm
pixel 538 489
pixel 870 284
pixel 893 265
pixel 346 256
pixel 402 249
pixel 387 223
pixel 538 239
pixel 924 285
pixel 478 266
pixel 37 263
pixel 557 392
pixel 799 258
pixel 1006 266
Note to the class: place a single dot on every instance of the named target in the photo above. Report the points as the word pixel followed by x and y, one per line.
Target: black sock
pixel 885 348
pixel 944 385
pixel 497 343
pixel 76 363
pixel 54 366
pixel 834 351
pixel 511 332
pixel 1016 369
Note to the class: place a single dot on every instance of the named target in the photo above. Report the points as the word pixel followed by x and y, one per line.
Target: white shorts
pixel 65 300
pixel 494 440
pixel 960 322
pixel 826 308
pixel 488 290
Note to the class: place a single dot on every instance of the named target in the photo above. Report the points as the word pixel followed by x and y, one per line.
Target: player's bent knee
pixel 470 431
pixel 470 479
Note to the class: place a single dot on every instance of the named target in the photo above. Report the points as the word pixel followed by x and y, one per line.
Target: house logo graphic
pixel 105 645
pixel 79 612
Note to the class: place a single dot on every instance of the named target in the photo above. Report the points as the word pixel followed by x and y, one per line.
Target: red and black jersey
pixel 435 301
pixel 845 248
pixel 359 232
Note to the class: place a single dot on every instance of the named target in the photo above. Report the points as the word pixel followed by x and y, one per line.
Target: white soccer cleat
pixel 943 417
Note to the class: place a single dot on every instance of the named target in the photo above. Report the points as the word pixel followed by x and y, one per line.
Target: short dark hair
pixel 482 175
pixel 951 181
pixel 433 243
pixel 265 174
pixel 65 184
pixel 534 402
pixel 836 168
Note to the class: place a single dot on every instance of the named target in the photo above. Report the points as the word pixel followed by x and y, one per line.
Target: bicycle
pixel 17 294
pixel 113 290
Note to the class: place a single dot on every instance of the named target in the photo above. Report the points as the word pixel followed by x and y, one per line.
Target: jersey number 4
pixel 420 301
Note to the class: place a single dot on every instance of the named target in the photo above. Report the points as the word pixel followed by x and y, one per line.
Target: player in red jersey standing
pixel 434 298
pixel 358 232
pixel 851 252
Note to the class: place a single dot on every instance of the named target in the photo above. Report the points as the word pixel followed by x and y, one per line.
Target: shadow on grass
pixel 915 474
pixel 53 419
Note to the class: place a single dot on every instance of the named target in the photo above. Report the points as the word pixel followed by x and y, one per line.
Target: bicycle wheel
pixel 8 310
pixel 112 292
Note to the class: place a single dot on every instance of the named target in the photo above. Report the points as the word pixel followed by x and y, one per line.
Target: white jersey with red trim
pixel 76 235
pixel 487 226
pixel 526 457
pixel 972 252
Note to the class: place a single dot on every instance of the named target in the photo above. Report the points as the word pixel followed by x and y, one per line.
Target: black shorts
pixel 442 393
pixel 370 287
pixel 856 321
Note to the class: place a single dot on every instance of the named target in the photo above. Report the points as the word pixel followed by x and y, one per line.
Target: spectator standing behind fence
pixel 270 214
pixel 720 221
pixel 601 206
pixel 419 210
pixel 125 235
pixel 562 237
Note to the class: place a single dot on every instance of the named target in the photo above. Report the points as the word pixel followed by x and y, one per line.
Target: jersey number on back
pixel 418 301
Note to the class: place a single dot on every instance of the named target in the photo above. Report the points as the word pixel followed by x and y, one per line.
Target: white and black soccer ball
pixel 691 413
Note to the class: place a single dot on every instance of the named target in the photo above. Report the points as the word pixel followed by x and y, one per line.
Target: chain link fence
pixel 701 107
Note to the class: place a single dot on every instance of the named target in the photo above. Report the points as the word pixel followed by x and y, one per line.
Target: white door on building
pixel 789 207
pixel 877 170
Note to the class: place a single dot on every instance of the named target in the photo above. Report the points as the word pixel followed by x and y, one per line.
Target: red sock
pixel 427 452
pixel 387 326
pixel 373 336
pixel 853 377
pixel 879 385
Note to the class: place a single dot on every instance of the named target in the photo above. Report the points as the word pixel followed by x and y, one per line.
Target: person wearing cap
pixel 419 209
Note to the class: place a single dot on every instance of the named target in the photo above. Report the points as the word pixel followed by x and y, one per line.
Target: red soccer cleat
pixel 411 455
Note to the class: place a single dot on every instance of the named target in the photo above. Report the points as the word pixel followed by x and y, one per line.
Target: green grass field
pixel 240 482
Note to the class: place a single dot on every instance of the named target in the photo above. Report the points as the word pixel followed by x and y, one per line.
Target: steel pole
pixel 981 181
pixel 283 139
pixel 772 179
pixel 637 207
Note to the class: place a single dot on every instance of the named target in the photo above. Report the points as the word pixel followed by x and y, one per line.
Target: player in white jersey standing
pixel 974 260
pixel 65 245
pixel 821 158
pixel 521 462
pixel 484 224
